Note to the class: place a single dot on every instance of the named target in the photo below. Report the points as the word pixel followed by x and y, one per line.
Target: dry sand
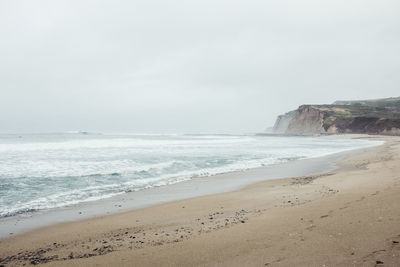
pixel 350 217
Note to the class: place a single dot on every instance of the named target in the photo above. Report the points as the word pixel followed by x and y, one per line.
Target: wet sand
pixel 349 216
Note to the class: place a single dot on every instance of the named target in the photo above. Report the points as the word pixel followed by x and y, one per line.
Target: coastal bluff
pixel 377 116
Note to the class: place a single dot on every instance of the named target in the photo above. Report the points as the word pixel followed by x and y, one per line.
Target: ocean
pixel 44 171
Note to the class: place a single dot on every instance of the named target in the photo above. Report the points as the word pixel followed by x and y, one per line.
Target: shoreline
pixel 192 188
pixel 343 217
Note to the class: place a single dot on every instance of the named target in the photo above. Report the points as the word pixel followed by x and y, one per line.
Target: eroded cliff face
pixel 333 119
pixel 282 123
pixel 367 125
pixel 306 120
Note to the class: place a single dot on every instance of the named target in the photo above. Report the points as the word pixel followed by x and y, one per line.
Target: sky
pixel 210 66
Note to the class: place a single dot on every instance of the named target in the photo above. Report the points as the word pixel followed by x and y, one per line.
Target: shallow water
pixel 44 171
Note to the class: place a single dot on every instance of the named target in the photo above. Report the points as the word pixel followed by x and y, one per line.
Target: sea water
pixel 42 171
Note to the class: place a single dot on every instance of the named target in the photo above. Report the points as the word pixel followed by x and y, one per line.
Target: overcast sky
pixel 189 66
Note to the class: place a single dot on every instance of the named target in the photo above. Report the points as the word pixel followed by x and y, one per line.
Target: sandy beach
pixel 347 217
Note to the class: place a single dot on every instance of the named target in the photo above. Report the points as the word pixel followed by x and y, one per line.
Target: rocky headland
pixel 378 116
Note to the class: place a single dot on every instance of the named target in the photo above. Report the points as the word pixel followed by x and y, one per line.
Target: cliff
pixel 282 122
pixel 380 116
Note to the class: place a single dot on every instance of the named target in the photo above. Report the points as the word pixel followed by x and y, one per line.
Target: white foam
pixel 53 171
